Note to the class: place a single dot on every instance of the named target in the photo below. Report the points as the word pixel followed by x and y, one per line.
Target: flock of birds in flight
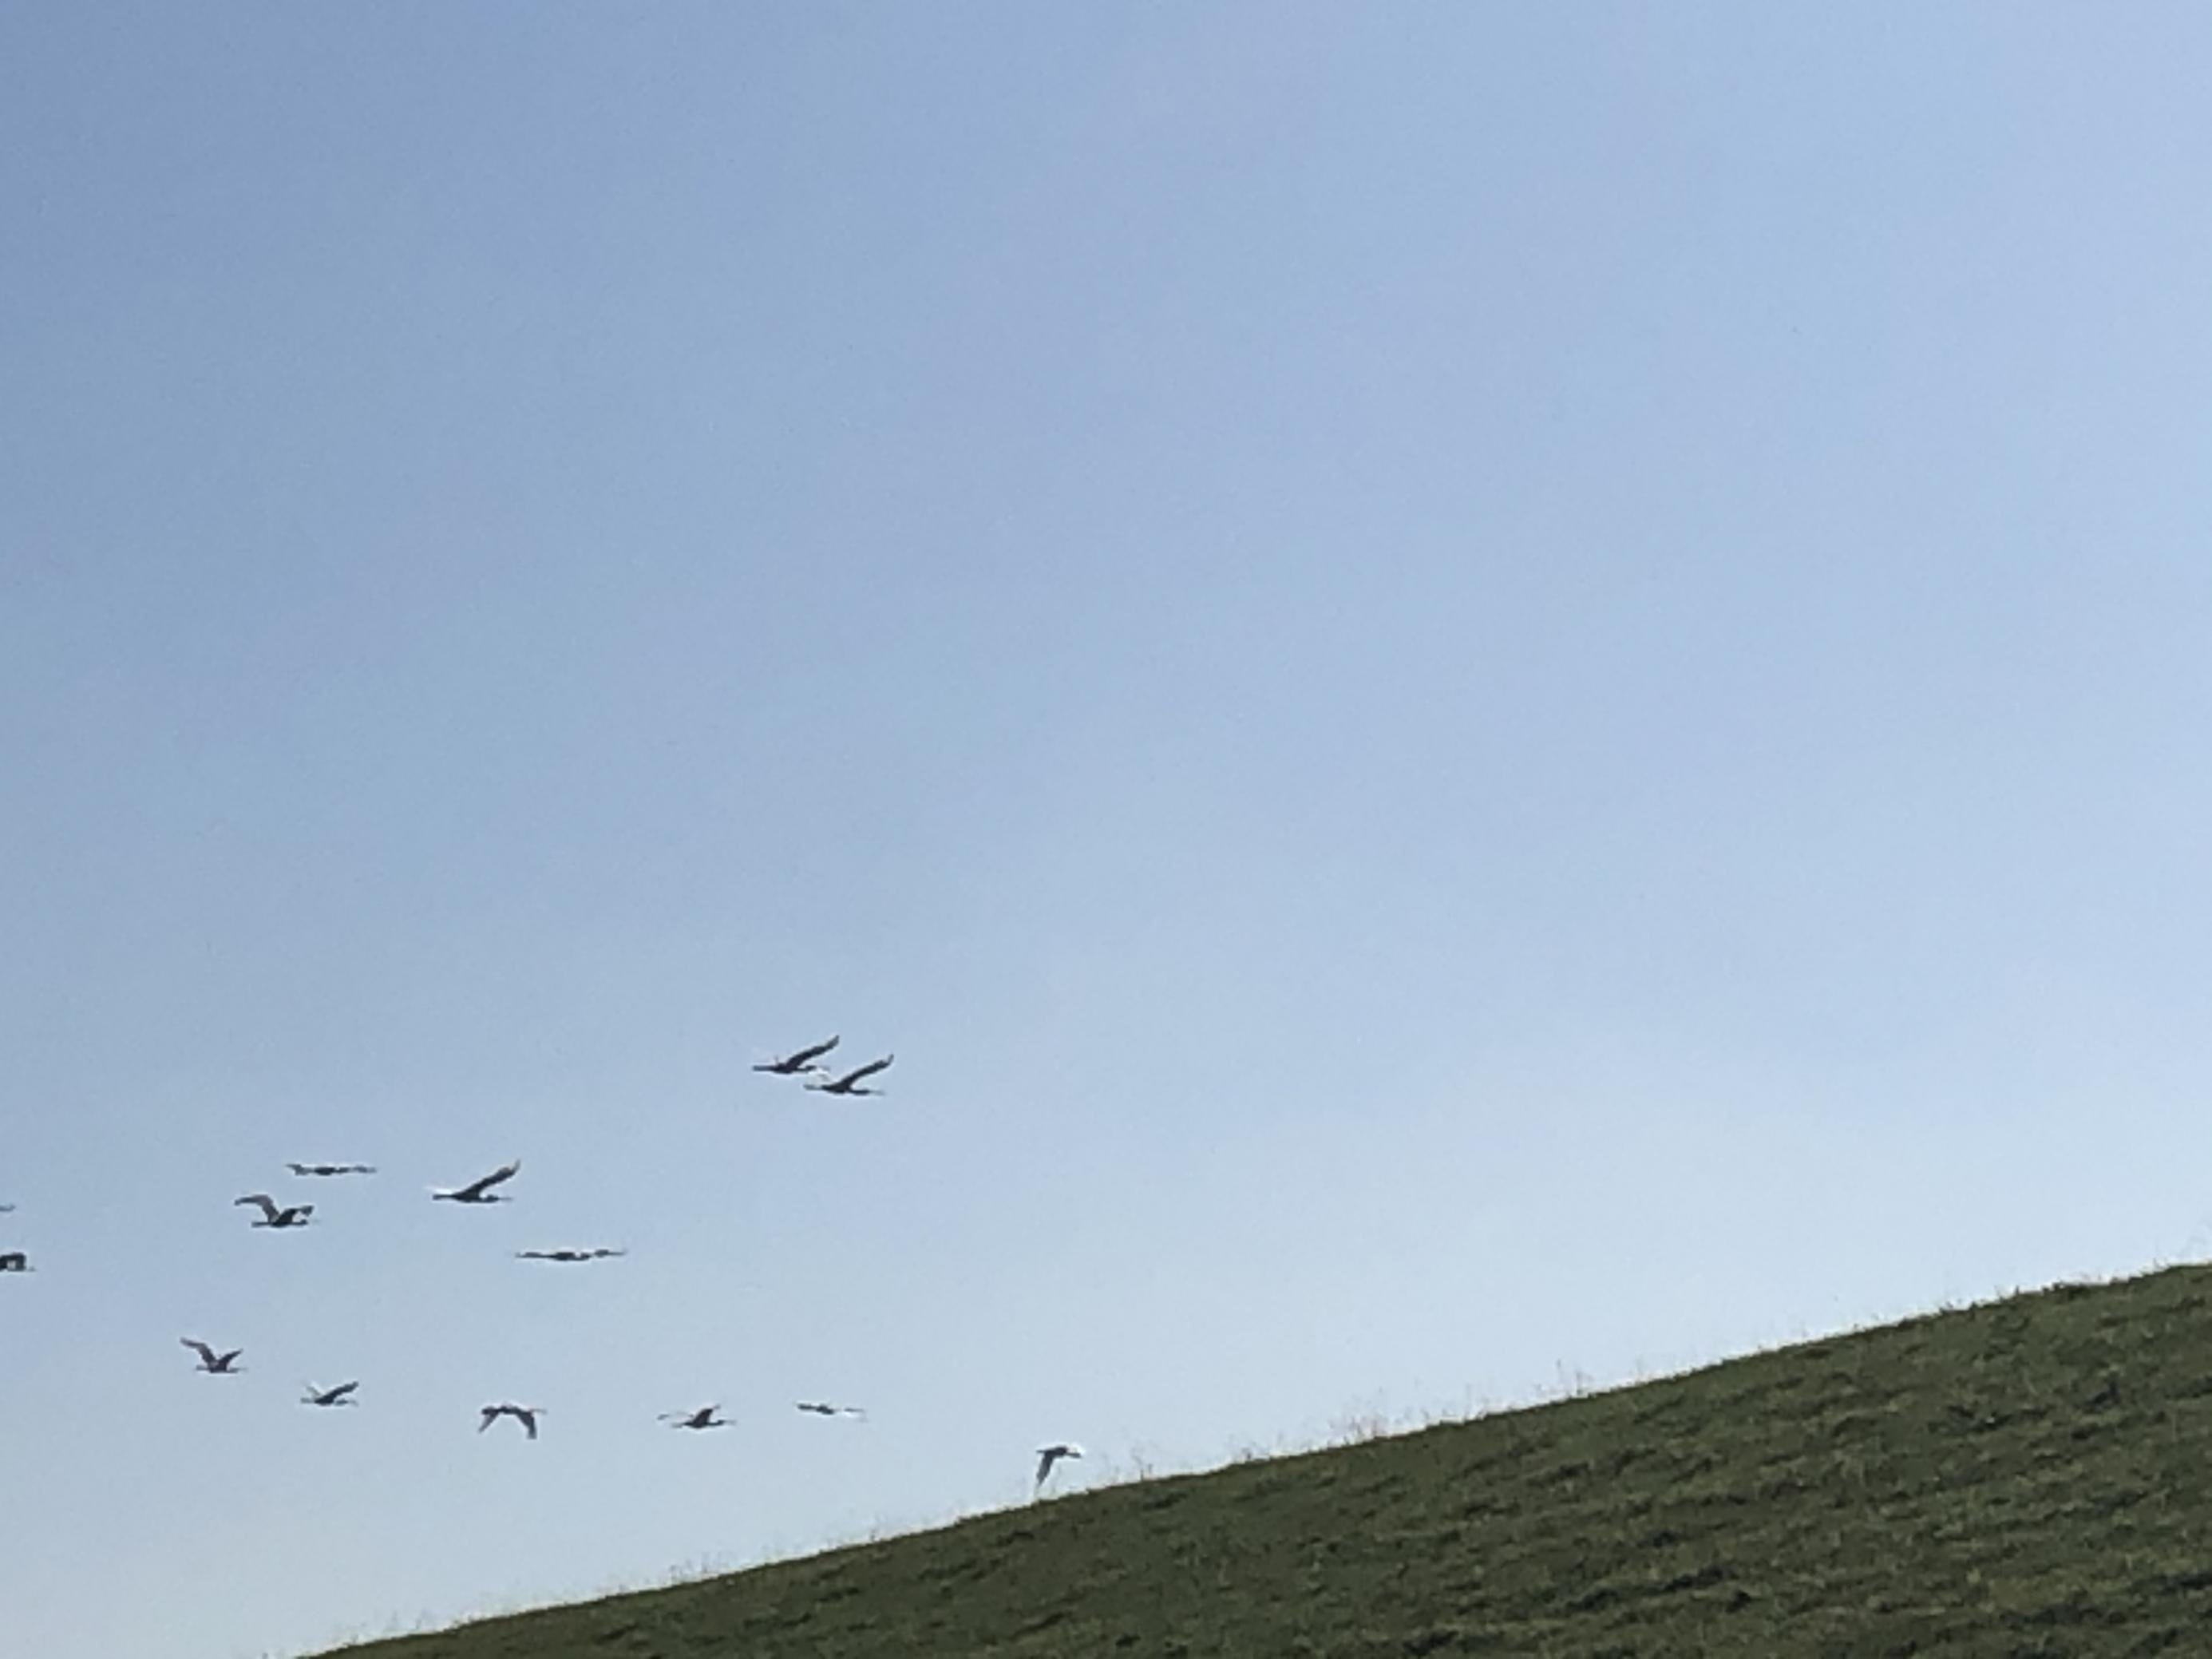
pixel 803 1063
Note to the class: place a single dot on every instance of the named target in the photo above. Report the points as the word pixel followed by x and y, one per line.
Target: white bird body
pixel 526 1415
pixel 852 1081
pixel 213 1363
pixel 479 1191
pixel 274 1214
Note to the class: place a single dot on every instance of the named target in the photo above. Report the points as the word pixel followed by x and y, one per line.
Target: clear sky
pixel 1483 694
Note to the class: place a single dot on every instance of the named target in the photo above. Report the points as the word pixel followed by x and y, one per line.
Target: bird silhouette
pixel 479 1191
pixel 1049 1455
pixel 526 1415
pixel 213 1363
pixel 851 1082
pixel 799 1060
pixel 274 1214
pixel 704 1418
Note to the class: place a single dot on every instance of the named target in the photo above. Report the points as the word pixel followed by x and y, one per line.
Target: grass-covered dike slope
pixel 2028 1477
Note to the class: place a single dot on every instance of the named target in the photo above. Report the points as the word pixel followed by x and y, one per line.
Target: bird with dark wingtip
pixel 798 1060
pixel 479 1191
pixel 526 1415
pixel 852 1083
pixel 274 1214
pixel 1047 1457
pixel 213 1363
pixel 704 1418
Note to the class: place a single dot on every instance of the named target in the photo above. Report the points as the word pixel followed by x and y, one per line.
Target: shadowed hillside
pixel 2031 1477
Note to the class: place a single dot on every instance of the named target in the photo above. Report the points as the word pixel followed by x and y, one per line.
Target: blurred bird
pixel 213 1363
pixel 597 1253
pixel 704 1418
pixel 822 1408
pixel 802 1060
pixel 275 1215
pixel 850 1084
pixel 14 1261
pixel 479 1191
pixel 331 1168
pixel 338 1396
pixel 1049 1455
pixel 526 1415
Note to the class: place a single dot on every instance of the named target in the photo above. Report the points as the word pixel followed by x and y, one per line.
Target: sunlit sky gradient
pixel 1482 694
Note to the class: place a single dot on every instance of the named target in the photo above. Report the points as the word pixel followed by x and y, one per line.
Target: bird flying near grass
pixel 341 1395
pixel 274 1214
pixel 213 1363
pixel 526 1415
pixel 1050 1455
pixel 852 1082
pixel 479 1191
pixel 800 1060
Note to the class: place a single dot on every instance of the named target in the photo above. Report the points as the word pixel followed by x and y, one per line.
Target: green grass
pixel 2032 1476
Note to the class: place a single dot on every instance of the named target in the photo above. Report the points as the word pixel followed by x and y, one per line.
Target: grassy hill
pixel 2030 1477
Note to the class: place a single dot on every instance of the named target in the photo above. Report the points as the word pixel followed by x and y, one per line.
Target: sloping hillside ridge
pixel 2028 1477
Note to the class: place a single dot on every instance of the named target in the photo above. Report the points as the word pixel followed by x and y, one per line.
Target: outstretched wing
pixel 268 1204
pixel 808 1056
pixel 339 1393
pixel 1045 1459
pixel 867 1071
pixel 206 1354
pixel 484 1184
pixel 491 1415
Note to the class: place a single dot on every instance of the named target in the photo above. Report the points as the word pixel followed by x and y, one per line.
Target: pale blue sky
pixel 1478 691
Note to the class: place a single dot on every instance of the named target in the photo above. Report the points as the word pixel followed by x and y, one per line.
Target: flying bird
pixel 14 1261
pixel 851 1083
pixel 801 1060
pixel 479 1191
pixel 213 1363
pixel 1049 1455
pixel 526 1415
pixel 822 1408
pixel 331 1168
pixel 597 1253
pixel 275 1215
pixel 704 1418
pixel 338 1397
